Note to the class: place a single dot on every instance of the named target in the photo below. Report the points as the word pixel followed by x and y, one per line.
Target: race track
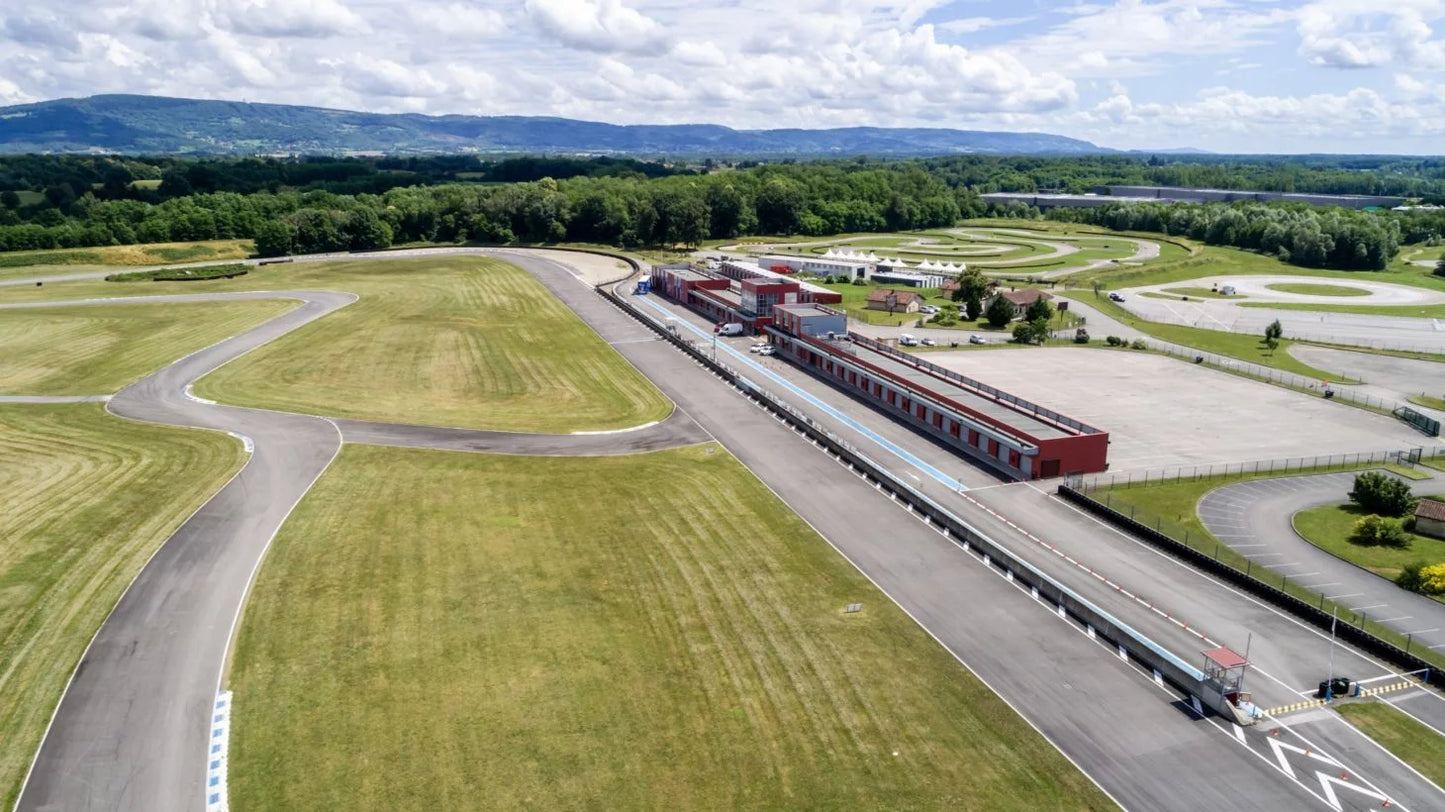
pixel 131 729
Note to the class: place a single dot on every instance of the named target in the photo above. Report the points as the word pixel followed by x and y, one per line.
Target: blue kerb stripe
pixel 215 765
pixel 216 734
pixel 215 798
pixel 888 445
pixel 215 748
pixel 215 781
pixel 218 717
pixel 941 477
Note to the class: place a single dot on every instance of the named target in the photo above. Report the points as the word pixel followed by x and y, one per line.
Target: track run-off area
pixel 132 732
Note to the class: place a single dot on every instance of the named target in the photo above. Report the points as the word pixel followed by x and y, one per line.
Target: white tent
pixel 830 253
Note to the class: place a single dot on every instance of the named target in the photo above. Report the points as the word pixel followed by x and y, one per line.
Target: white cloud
pixel 1369 34
pixel 595 25
pixel 972 25
pixel 288 18
pixel 458 19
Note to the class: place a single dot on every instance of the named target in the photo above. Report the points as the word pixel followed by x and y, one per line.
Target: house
pixel 893 301
pixel 1020 299
pixel 1430 518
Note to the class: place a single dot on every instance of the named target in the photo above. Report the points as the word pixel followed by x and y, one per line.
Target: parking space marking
pixel 1371 606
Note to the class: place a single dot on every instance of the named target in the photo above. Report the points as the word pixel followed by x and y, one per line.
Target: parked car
pixel 929 309
pixel 1114 297
pixel 768 349
pixel 756 348
pixel 977 340
pixel 907 340
pixel 928 342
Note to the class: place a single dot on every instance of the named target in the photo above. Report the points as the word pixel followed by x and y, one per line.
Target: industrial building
pixel 742 292
pixel 1017 438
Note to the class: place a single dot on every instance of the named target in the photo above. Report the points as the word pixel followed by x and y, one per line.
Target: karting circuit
pixel 1167 686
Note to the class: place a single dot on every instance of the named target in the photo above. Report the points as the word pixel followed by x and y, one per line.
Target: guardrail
pixel 1129 642
pixel 1312 614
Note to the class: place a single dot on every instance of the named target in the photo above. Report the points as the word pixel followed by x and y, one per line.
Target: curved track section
pixel 131 730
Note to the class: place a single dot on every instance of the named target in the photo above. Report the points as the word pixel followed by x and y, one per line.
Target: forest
pixel 329 204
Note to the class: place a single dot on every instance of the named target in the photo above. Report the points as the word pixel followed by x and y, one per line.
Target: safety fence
pixel 1209 555
pixel 1290 466
pixel 1130 645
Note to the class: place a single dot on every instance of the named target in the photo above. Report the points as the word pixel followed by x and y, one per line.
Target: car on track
pixel 1115 297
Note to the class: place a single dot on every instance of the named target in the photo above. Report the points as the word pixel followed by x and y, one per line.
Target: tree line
pixel 610 203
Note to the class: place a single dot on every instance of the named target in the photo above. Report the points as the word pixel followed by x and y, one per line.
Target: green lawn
pixel 1235 345
pixel 1416 744
pixel 1328 527
pixel 87 499
pixel 1316 289
pixel 23 263
pixel 652 631
pixel 1171 507
pixel 1428 402
pixel 454 341
pixel 1219 261
pixel 97 349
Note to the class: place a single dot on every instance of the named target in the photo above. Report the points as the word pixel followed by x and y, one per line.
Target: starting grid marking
pixel 218 753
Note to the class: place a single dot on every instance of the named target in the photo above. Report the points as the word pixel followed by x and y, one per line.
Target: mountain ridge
pixel 169 125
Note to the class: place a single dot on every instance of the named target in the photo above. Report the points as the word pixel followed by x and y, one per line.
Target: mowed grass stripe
pixel 87 499
pixel 454 341
pixel 437 630
pixel 97 349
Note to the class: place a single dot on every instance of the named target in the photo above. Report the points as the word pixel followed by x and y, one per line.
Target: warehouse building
pixel 1015 437
pixel 1106 195
pixel 748 300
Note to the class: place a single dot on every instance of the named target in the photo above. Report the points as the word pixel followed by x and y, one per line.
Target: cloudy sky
pixel 1225 75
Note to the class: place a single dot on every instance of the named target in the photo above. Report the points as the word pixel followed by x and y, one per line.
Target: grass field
pixel 97 349
pixel 455 341
pixel 1418 745
pixel 1219 261
pixel 1317 289
pixel 23 263
pixel 1235 345
pixel 579 633
pixel 88 498
pixel 1328 527
pixel 1428 402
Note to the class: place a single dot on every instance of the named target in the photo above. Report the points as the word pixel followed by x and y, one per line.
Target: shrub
pixel 1139 344
pixel 1410 577
pixel 1432 579
pixel 860 282
pixel 1081 338
pixel 1382 494
pixel 1023 333
pixel 1379 531
pixel 1113 341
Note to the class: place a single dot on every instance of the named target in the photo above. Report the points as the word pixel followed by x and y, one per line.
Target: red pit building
pixel 1019 439
pixel 744 297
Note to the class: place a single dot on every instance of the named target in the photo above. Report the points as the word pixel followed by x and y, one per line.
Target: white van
pixel 907 340
pixel 732 328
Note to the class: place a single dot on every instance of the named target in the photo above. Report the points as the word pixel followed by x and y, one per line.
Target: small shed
pixel 1430 518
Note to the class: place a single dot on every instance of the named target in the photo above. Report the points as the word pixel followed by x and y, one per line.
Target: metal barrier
pixel 1424 423
pixel 1065 601
pixel 1314 615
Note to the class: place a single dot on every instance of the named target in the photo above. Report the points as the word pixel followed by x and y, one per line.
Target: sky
pixel 1280 76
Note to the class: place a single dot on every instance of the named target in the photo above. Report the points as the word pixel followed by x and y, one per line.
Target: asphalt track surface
pixel 130 732
pixel 1255 518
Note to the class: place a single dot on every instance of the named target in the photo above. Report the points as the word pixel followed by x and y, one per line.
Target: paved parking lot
pixel 1255 519
pixel 1161 412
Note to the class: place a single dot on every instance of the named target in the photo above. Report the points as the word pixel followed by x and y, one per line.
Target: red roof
pixel 901 297
pixel 1026 297
pixel 1430 509
pixel 1225 657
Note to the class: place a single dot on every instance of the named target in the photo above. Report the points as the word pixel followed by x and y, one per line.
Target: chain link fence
pixel 1291 466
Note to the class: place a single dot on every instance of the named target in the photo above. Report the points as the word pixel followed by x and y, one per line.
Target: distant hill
pixel 161 125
